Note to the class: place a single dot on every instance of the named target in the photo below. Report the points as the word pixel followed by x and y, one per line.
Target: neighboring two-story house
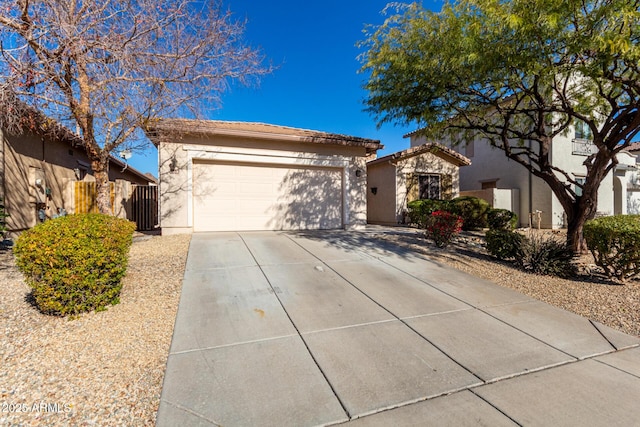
pixel 632 178
pixel 508 185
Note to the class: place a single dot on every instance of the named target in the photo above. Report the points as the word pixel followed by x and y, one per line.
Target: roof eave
pixel 155 132
pixel 431 147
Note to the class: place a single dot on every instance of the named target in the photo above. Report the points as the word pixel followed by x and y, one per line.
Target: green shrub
pixel 504 244
pixel 501 219
pixel 614 242
pixel 546 256
pixel 442 226
pixel 75 263
pixel 420 210
pixel 472 210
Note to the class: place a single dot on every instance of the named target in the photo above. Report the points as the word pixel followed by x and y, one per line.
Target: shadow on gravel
pixel 596 279
pixel 31 300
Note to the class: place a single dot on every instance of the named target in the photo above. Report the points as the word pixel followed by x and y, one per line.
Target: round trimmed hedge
pixel 75 263
pixel 614 242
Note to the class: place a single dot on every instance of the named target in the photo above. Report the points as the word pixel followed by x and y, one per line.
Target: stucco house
pixel 508 185
pixel 630 179
pixel 426 171
pixel 233 176
pixel 38 169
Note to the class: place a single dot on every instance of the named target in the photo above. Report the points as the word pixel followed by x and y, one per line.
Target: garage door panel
pixel 240 196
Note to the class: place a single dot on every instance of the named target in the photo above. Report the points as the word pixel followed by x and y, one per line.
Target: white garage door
pixel 247 196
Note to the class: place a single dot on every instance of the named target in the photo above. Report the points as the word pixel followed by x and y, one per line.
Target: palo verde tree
pixel 516 73
pixel 106 68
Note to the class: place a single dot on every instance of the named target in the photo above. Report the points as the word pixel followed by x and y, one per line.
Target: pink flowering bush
pixel 442 226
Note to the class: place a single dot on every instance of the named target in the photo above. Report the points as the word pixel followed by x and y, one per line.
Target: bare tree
pixel 108 67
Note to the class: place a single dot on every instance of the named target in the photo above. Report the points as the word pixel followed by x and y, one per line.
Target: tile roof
pixel 430 147
pixel 633 147
pixel 218 127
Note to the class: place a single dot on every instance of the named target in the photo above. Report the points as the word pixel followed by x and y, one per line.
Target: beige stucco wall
pixel 390 204
pixel 562 157
pixel 26 159
pixel 381 207
pixel 176 186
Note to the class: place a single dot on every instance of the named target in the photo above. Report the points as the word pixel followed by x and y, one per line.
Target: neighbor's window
pixel 583 131
pixel 469 149
pixel 429 186
pixel 578 189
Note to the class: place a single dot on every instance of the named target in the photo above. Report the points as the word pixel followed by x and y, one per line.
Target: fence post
pixel 122 202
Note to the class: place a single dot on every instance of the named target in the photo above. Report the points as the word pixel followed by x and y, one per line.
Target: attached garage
pixel 238 176
pixel 245 196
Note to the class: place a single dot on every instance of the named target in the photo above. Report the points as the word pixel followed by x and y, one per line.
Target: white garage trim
pixel 276 158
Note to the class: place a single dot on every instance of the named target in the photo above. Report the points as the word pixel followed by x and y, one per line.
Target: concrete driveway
pixel 303 329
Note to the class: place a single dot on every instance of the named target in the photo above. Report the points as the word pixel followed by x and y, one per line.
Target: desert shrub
pixel 504 244
pixel 472 210
pixel 75 263
pixel 614 242
pixel 3 220
pixel 547 256
pixel 501 219
pixel 442 226
pixel 420 210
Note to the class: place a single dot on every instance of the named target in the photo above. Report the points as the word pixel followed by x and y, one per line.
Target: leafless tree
pixel 106 68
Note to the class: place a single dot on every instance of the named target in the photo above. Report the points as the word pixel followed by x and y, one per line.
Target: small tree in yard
pixel 516 74
pixel 106 68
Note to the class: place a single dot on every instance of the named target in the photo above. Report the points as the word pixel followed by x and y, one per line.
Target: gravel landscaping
pixel 102 369
pixel 591 294
pixel 107 368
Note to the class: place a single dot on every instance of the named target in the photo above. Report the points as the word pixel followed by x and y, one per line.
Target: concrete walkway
pixel 304 329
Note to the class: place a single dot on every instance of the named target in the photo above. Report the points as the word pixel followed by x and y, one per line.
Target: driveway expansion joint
pixel 453 352
pixel 331 386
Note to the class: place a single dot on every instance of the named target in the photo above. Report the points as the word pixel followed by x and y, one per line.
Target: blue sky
pixel 316 85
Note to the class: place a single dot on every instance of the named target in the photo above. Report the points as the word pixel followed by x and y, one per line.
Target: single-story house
pixel 232 176
pixel 38 169
pixel 427 171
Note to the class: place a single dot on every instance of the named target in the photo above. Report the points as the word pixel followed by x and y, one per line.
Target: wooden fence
pixel 137 203
pixel 84 197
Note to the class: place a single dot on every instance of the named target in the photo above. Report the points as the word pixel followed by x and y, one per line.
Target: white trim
pixel 345 193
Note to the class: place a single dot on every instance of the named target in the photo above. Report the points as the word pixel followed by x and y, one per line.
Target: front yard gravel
pixel 106 368
pixel 102 369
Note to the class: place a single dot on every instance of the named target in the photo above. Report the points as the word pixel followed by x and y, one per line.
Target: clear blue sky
pixel 316 85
